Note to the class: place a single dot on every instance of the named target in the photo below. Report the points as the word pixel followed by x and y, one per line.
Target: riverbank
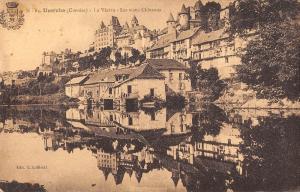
pixel 240 96
pixel 50 99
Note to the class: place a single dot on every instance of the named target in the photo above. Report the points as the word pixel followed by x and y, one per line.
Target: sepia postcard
pixel 149 96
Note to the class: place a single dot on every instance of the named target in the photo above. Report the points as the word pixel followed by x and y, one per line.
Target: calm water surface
pixel 206 149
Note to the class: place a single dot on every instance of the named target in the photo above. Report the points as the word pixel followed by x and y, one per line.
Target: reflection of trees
pixel 44 117
pixel 16 186
pixel 208 121
pixel 3 114
pixel 211 181
pixel 270 154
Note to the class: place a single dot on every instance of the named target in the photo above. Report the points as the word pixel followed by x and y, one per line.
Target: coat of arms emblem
pixel 13 18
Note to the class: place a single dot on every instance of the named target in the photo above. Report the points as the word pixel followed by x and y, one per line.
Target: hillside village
pixel 129 62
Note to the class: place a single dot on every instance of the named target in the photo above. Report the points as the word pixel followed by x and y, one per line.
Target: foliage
pixel 207 81
pixel 270 64
pixel 26 187
pixel 118 57
pixel 135 54
pixel 102 59
pixel 270 160
pixel 24 74
pixel 210 16
pixel 208 121
pixel 142 58
pixel 248 14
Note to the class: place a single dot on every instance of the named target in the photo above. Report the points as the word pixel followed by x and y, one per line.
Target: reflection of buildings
pixel 118 163
pixel 222 148
pixel 141 121
pixel 178 123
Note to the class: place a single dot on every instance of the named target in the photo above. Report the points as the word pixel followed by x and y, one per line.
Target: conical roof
pixel 102 25
pixel 198 5
pixel 134 19
pixel 126 26
pixel 184 10
pixel 171 18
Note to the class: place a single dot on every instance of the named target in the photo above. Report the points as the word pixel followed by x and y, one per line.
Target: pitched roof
pixel 186 34
pixel 164 41
pixel 141 72
pixel 144 71
pixel 211 36
pixel 105 76
pixel 77 80
pixel 165 64
pixel 163 31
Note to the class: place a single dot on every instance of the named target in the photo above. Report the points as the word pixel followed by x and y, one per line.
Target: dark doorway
pixel 108 104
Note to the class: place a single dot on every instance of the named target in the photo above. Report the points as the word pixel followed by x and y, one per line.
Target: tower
pixel 184 17
pixel 134 21
pixel 171 23
pixel 102 25
pixel 198 10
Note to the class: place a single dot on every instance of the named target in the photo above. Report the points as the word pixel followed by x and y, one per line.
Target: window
pixel 180 76
pixel 130 121
pixel 170 76
pixel 226 59
pixel 110 90
pixel 129 89
pixel 153 116
pixel 152 92
pixel 229 141
pixel 172 128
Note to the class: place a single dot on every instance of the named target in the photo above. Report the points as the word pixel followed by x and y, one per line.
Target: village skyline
pixel 49 31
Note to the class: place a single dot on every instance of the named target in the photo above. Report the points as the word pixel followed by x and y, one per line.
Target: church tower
pixel 184 17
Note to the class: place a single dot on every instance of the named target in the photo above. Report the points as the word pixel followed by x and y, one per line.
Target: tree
pixel 207 81
pixel 102 58
pixel 248 14
pixel 135 54
pixel 210 16
pixel 118 57
pixel 142 58
pixel 271 62
pixel 270 163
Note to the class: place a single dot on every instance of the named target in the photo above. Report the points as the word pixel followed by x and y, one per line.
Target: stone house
pixel 175 73
pixel 73 88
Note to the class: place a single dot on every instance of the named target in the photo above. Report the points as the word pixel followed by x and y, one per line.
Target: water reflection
pixel 189 149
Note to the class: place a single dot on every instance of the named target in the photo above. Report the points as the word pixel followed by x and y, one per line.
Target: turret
pixel 171 23
pixel 102 25
pixel 198 9
pixel 184 16
pixel 134 21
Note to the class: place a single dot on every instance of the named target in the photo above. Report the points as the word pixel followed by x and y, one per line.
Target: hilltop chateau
pixel 195 35
pixel 128 35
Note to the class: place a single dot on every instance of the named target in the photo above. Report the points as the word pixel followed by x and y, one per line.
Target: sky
pixel 54 31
